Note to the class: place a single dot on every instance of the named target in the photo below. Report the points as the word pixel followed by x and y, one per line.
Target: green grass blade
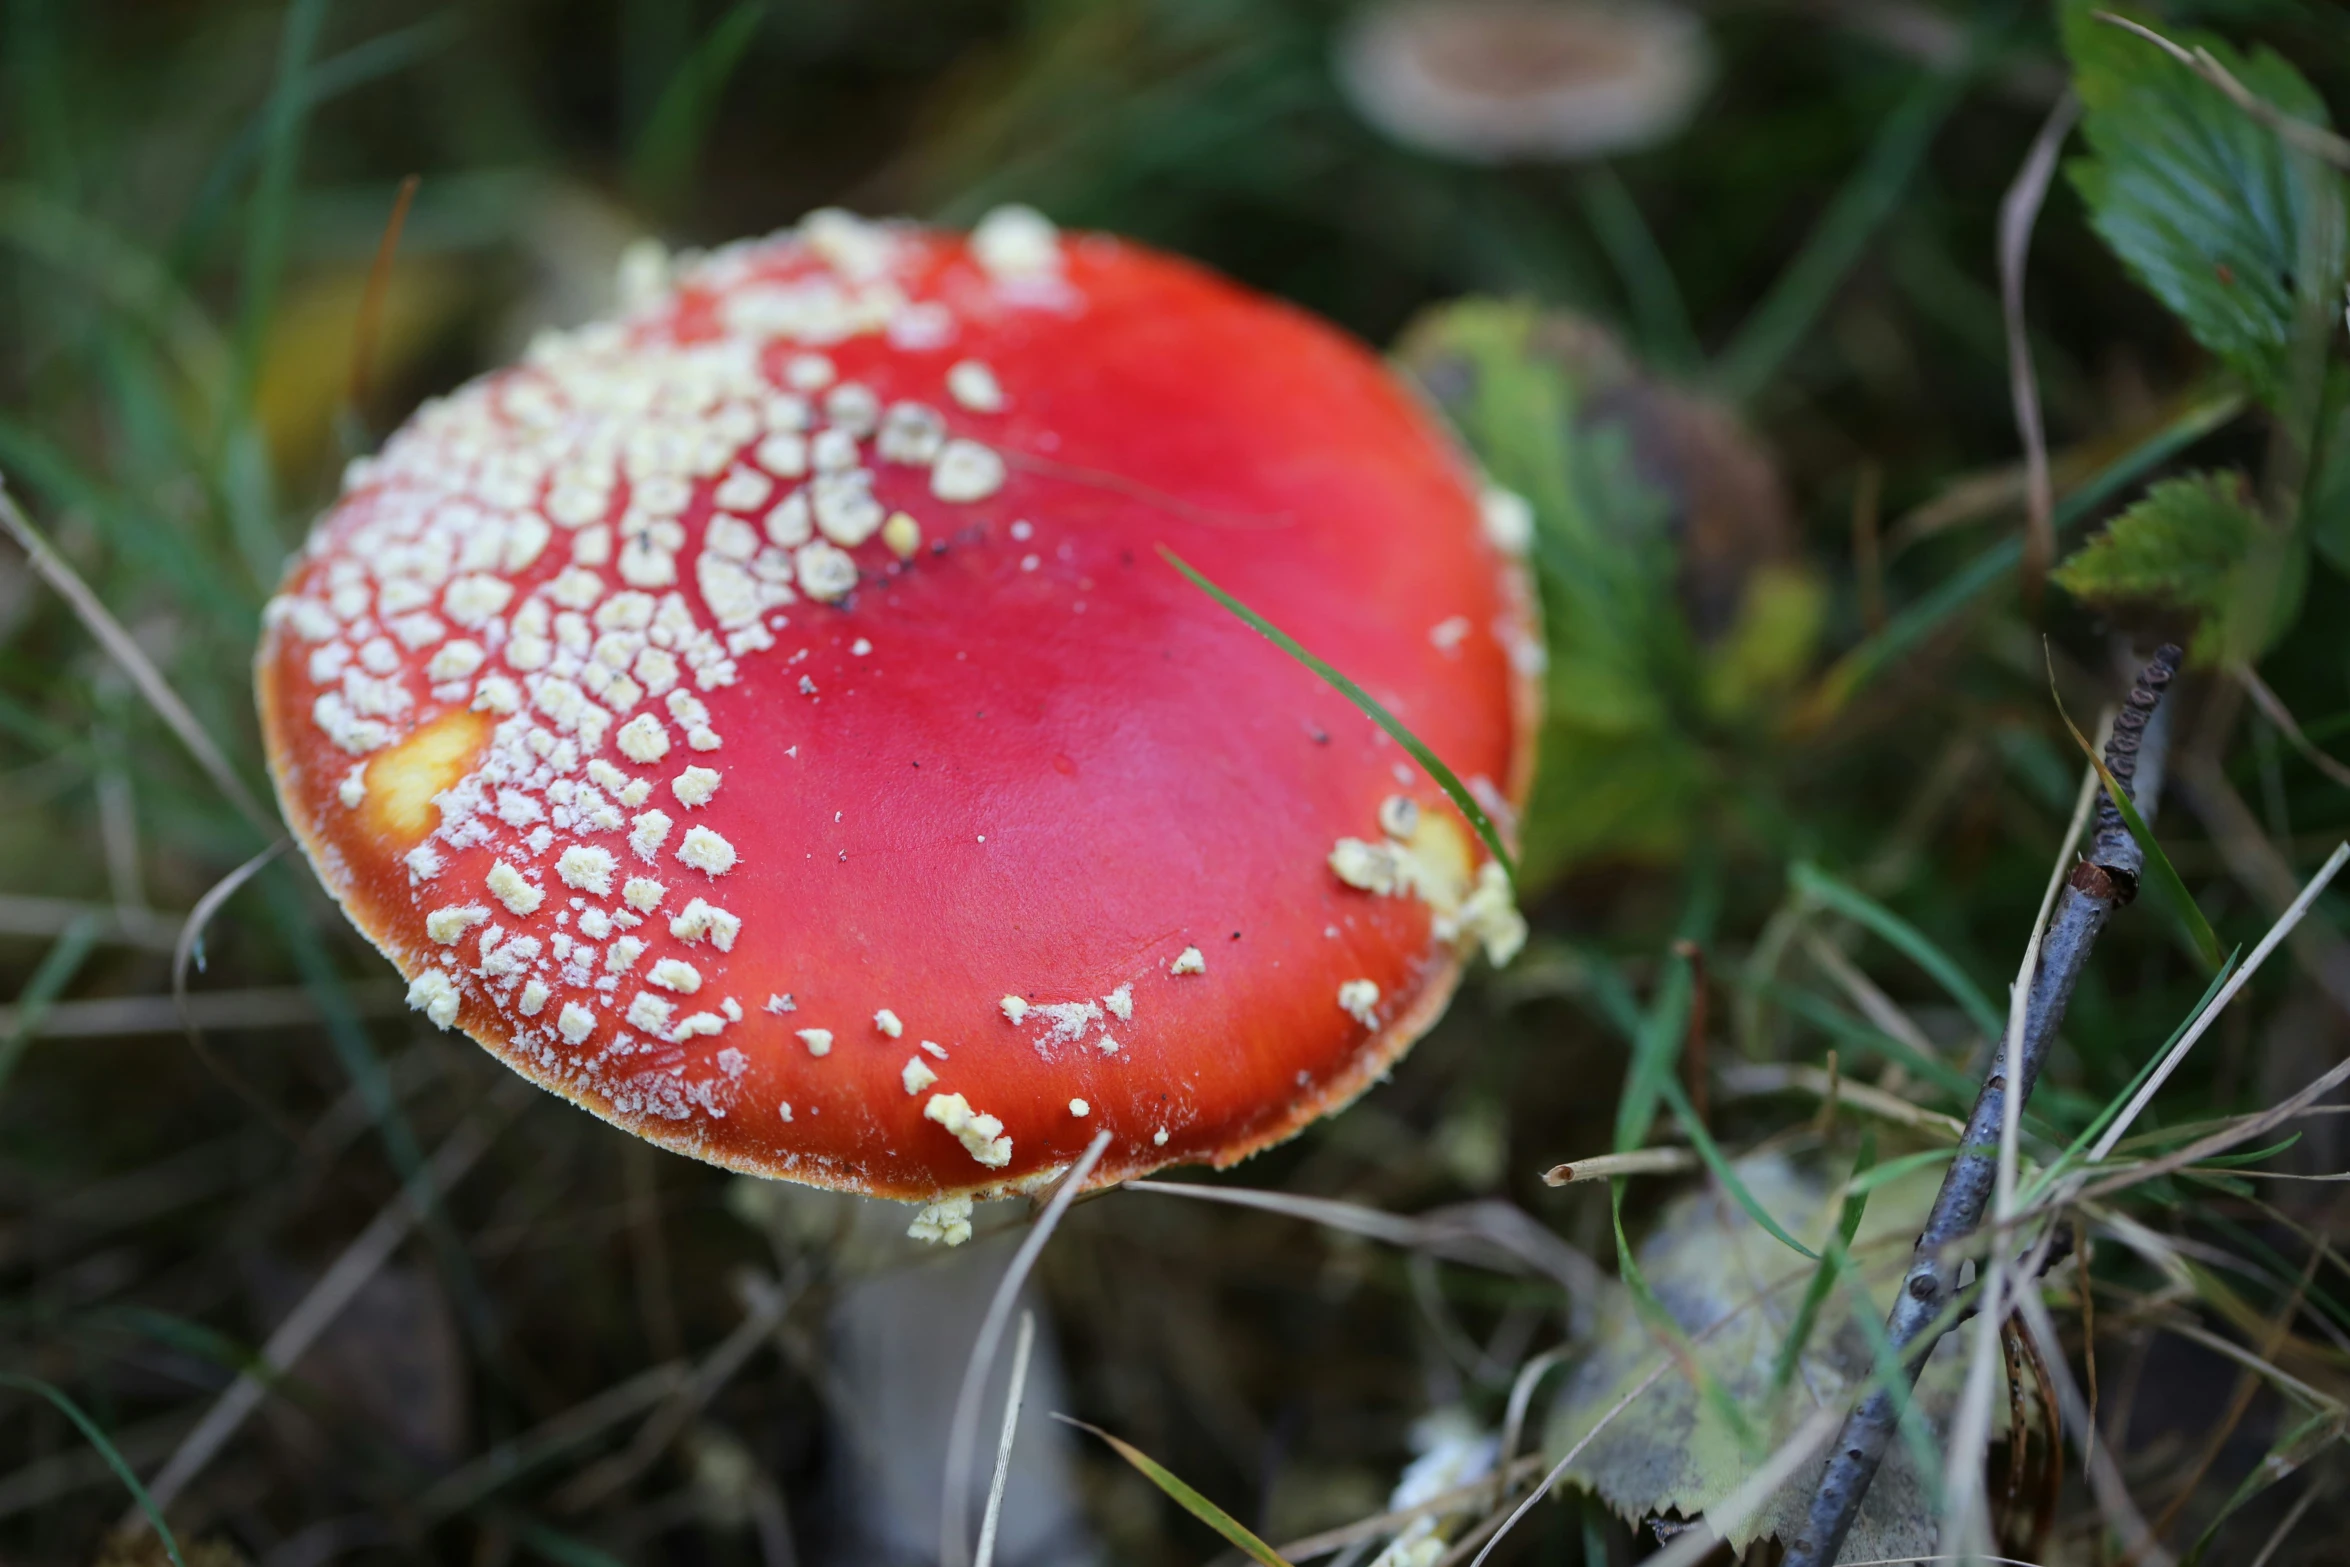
pixel 1829 1019
pixel 2159 870
pixel 271 214
pixel 562 1549
pixel 1666 337
pixel 57 968
pixel 1234 1532
pixel 1815 1294
pixel 1855 905
pixel 1797 297
pixel 1672 1337
pixel 1913 625
pixel 1711 1154
pixel 2296 1446
pixel 368 61
pixel 1656 1048
pixel 673 135
pixel 1429 761
pixel 97 1438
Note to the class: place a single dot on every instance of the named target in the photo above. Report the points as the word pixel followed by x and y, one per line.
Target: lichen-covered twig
pixel 2106 878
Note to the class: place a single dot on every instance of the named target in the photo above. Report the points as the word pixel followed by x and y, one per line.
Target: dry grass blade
pixel 954 1542
pixel 1490 1234
pixel 985 1556
pixel 185 951
pixel 484 1475
pixel 1753 1079
pixel 1863 992
pixel 2286 1525
pixel 2315 140
pixel 2268 944
pixel 2273 708
pixel 1372 1528
pixel 1558 1470
pixel 2239 1402
pixel 126 652
pixel 21 915
pixel 265 1006
pixel 1513 1424
pixel 2019 213
pixel 1694 1545
pixel 379 284
pixel 766 1306
pixel 2106 1484
pixel 335 1289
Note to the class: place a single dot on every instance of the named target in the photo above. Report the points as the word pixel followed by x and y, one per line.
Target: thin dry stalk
pixel 954 1521
pixel 2019 214
pixel 379 284
pixel 1882 1011
pixel 2315 140
pixel 185 951
pixel 767 1304
pixel 2236 982
pixel 2257 866
pixel 2248 1383
pixel 120 646
pixel 1755 1078
pixel 2273 708
pixel 335 1289
pixel 1372 1528
pixel 1868 553
pixel 985 1556
pixel 2286 1525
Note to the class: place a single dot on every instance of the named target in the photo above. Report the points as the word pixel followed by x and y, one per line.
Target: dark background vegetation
pixel 157 1216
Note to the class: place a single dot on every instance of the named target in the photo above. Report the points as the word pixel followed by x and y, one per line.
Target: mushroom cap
pixel 1491 81
pixel 766 721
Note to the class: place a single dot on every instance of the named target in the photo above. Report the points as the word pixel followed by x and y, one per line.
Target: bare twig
pixel 2019 212
pixel 2104 880
pixel 2315 140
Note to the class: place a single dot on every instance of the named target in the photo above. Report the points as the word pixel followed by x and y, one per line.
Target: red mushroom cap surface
pixel 766 719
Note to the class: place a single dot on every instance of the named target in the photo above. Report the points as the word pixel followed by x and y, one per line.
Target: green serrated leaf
pixel 2196 544
pixel 1207 1512
pixel 2204 204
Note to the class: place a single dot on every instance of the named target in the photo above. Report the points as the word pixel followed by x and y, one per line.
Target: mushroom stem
pixel 2106 878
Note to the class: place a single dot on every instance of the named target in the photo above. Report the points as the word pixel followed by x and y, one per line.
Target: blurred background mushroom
pixel 1495 81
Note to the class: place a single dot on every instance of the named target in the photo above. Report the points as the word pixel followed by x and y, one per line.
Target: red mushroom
pixel 764 720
